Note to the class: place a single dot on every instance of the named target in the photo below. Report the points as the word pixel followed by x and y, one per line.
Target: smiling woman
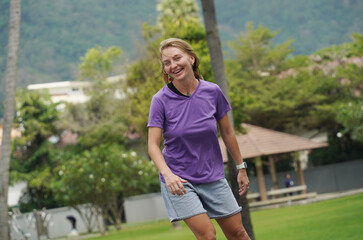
pixel 186 111
pixel 179 67
pixel 184 49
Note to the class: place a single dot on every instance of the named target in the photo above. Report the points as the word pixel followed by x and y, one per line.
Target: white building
pixel 72 91
pixel 64 91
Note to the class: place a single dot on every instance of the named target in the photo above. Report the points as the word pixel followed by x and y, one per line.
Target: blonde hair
pixel 183 46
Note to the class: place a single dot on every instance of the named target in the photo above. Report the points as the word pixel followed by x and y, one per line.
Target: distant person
pixel 73 221
pixel 288 182
pixel 186 112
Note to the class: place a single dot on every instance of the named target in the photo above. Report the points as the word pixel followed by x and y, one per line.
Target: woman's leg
pixel 201 226
pixel 232 227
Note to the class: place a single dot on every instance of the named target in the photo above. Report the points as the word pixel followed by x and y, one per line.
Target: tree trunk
pixel 215 51
pixel 9 106
pixel 242 200
pixel 87 215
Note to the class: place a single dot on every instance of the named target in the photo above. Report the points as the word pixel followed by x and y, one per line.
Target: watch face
pixel 241 166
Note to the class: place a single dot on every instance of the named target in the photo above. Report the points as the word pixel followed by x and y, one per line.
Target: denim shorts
pixel 215 198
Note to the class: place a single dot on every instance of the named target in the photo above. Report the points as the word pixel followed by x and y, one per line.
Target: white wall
pixel 143 208
pixel 58 226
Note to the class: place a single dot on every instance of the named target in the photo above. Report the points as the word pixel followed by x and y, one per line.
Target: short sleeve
pixel 223 105
pixel 156 114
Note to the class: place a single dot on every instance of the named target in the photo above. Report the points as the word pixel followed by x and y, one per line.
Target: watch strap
pixel 242 166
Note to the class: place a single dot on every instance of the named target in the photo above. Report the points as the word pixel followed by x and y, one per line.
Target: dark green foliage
pixel 295 94
pixel 357 46
pixel 340 149
pixel 298 61
pixel 32 159
pixel 36 119
pixel 351 117
pixel 36 199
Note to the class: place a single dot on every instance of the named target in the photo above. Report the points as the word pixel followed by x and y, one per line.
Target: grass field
pixel 339 219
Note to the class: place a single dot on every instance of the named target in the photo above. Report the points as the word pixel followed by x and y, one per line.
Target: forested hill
pixel 56 33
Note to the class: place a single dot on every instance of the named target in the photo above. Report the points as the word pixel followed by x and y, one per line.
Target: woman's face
pixel 177 64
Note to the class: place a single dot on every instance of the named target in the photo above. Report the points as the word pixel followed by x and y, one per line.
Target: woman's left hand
pixel 243 181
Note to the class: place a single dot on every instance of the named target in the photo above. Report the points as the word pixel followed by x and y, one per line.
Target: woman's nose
pixel 172 64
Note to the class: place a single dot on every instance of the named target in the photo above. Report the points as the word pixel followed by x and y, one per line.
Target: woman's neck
pixel 187 86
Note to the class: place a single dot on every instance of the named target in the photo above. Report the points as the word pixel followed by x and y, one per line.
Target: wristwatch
pixel 241 166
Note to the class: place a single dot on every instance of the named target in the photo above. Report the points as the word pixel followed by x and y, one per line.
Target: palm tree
pixel 9 106
pixel 215 50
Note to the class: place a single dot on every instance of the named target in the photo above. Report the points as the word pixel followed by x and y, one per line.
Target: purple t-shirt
pixel 190 131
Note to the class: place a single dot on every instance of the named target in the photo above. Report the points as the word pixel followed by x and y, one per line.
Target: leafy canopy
pixel 104 176
pixel 101 118
pixel 36 117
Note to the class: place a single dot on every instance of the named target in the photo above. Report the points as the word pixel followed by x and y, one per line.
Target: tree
pixel 9 105
pixel 215 50
pixel 98 62
pixel 37 117
pixel 357 45
pixel 254 70
pixel 102 118
pixel 299 97
pixel 305 93
pixel 255 54
pixel 104 176
pixel 351 117
pixel 183 15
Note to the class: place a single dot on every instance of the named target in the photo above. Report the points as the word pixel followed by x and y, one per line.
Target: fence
pixel 322 179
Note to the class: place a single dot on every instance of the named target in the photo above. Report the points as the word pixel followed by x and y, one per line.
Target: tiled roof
pixel 262 141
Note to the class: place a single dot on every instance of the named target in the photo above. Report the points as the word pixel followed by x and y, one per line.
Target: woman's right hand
pixel 172 181
pixel 175 184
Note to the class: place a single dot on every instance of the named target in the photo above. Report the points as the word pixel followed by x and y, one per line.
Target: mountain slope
pixel 56 33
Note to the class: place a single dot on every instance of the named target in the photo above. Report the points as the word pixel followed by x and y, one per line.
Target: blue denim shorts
pixel 215 198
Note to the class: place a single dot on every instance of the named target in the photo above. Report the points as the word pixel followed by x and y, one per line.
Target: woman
pixel 186 112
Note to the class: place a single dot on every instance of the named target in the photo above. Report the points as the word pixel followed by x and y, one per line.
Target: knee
pixel 239 233
pixel 208 234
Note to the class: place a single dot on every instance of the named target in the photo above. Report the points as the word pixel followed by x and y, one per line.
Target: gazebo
pixel 259 142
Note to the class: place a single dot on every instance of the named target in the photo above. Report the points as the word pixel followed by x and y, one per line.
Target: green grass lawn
pixel 339 219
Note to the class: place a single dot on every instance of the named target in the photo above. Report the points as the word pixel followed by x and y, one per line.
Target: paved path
pixel 319 197
pixel 85 236
pixel 326 196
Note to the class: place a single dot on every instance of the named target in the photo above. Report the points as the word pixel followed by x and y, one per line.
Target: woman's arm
pixel 229 139
pixel 172 181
